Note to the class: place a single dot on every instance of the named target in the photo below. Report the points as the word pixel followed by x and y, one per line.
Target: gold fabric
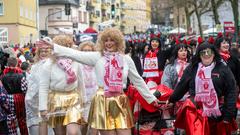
pixel 64 107
pixel 110 113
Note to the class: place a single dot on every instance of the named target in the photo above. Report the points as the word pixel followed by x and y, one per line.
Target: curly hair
pixel 63 40
pixel 86 43
pixel 116 35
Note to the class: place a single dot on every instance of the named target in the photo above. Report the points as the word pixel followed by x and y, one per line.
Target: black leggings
pixel 3 128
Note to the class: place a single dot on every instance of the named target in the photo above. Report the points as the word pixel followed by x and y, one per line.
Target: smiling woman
pixel 208 84
pixel 110 111
pixel 223 45
pixel 112 41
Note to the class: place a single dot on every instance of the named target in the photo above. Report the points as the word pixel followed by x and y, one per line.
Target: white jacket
pixel 54 78
pixel 98 61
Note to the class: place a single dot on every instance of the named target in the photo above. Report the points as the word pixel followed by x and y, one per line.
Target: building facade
pixel 136 18
pixel 127 15
pixel 20 26
pixel 162 12
pixel 53 17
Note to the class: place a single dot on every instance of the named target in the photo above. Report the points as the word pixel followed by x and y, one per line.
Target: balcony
pixel 94 18
pixel 123 12
pixel 123 22
pixel 122 3
pixel 104 6
pixel 105 19
pixel 57 2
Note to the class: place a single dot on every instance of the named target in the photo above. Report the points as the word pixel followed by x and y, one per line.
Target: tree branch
pixel 219 3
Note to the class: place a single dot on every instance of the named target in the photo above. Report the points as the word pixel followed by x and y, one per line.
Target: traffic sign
pixel 229 27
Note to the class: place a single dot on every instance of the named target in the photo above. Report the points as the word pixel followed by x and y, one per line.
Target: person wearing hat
pixel 62 91
pixel 223 45
pixel 212 89
pixel 154 62
pixel 16 86
pixel 35 123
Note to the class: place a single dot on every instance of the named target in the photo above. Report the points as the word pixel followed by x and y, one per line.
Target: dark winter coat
pixel 224 84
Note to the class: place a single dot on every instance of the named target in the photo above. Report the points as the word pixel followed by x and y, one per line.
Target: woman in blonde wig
pixel 61 92
pixel 34 122
pixel 91 86
pixel 110 111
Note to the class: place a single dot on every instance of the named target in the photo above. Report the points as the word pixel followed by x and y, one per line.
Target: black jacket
pixel 224 84
pixel 234 65
pixel 12 82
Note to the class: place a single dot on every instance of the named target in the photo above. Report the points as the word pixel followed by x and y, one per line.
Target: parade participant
pixel 177 64
pixel 15 84
pixel 154 62
pixel 4 110
pixel 25 66
pixel 110 111
pixel 61 92
pixel 174 71
pixel 223 46
pixel 32 95
pixel 212 88
pixel 91 87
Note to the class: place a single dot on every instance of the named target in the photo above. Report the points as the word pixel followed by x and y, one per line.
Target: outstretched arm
pixel 88 58
pixel 138 82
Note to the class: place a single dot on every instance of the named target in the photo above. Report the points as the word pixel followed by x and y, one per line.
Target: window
pixel 21 11
pixel 80 16
pixel 1 7
pixel 98 13
pixel 58 15
pixel 85 17
pixel 50 11
pixel 26 13
pixel 34 17
pixel 31 15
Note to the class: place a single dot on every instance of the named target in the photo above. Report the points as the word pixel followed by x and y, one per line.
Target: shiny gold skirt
pixel 64 107
pixel 110 113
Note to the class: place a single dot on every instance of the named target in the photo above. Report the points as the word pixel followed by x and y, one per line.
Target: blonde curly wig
pixel 116 35
pixel 63 40
pixel 86 43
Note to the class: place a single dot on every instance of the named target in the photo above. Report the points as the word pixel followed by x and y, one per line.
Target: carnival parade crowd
pixel 121 85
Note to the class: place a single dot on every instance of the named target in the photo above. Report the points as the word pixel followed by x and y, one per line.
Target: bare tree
pixel 200 7
pixel 234 4
pixel 188 11
pixel 215 5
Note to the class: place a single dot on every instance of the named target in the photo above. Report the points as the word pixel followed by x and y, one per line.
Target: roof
pixel 57 2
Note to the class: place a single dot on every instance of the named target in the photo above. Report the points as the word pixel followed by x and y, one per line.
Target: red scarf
pixel 113 75
pixel 151 64
pixel 12 69
pixel 225 55
pixel 205 91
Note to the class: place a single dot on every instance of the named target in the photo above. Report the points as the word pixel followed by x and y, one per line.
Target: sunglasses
pixel 206 52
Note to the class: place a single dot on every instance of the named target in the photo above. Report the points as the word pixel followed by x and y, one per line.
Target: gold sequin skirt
pixel 110 113
pixel 64 107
